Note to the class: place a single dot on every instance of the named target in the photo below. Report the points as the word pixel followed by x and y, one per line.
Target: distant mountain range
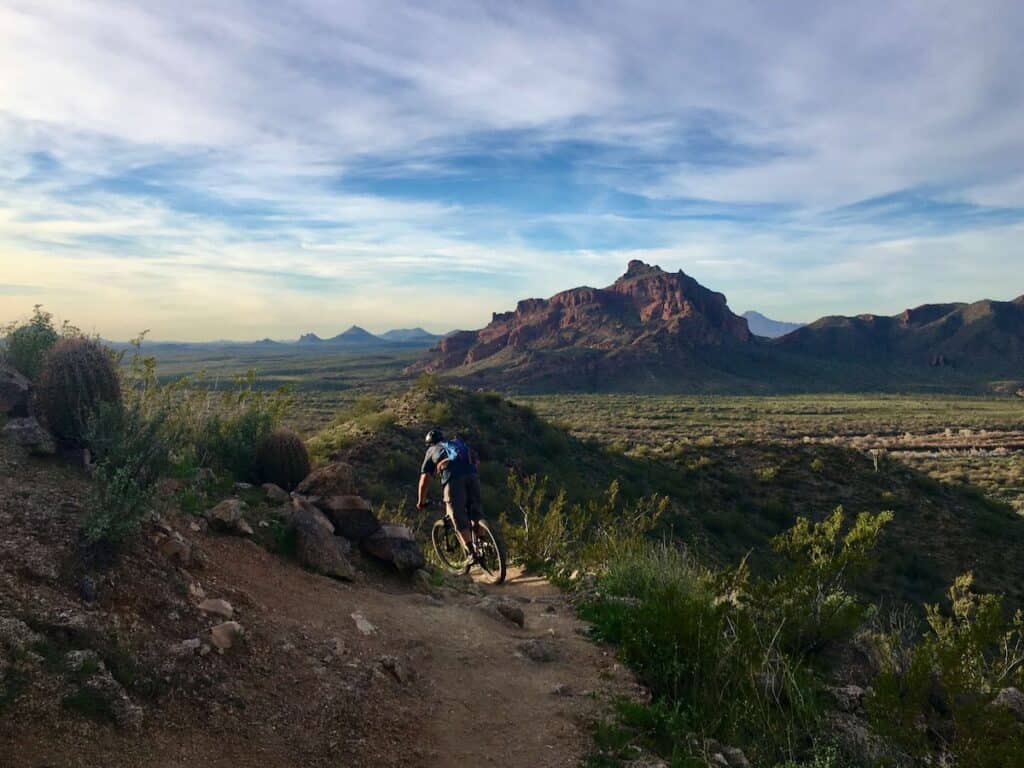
pixel 764 326
pixel 353 338
pixel 657 331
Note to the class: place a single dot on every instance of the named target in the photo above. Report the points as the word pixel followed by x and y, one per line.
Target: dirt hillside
pixel 368 673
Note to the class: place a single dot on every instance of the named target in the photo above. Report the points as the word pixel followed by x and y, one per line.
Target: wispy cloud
pixel 256 169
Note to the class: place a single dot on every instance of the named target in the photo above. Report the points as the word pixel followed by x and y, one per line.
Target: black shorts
pixel 462 497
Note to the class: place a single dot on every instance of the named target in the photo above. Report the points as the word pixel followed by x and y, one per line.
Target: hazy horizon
pixel 248 171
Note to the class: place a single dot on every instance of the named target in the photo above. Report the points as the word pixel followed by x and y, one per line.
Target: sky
pixel 244 169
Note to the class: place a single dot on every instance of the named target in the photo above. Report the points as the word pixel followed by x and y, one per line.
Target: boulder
pixel 352 516
pixel 847 698
pixel 227 517
pixel 217 607
pixel 300 504
pixel 316 546
pixel 855 739
pixel 335 479
pixel 504 609
pixel 540 649
pixel 276 494
pixel 177 550
pixel 226 635
pixel 364 626
pixel 395 544
pixel 29 434
pixel 15 393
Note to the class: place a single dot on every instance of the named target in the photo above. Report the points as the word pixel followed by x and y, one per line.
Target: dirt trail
pixel 438 683
pixel 471 697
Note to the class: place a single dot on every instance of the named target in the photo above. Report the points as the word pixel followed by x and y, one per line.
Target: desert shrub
pixel 546 530
pixel 25 344
pixel 78 375
pixel 282 458
pixel 934 696
pixel 809 597
pixel 540 536
pixel 728 655
pixel 132 450
pixel 436 412
pixel 225 428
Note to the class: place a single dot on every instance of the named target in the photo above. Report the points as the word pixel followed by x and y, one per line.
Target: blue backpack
pixel 456 450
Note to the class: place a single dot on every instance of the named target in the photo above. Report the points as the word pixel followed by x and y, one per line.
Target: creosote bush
pixel 282 459
pixel 78 376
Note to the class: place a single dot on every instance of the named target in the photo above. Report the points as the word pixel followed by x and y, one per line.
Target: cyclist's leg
pixel 455 500
pixel 474 499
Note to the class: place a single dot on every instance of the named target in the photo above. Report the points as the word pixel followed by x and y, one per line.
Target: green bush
pixel 225 429
pixel 282 459
pixel 727 655
pixel 934 696
pixel 25 344
pixel 78 376
pixel 547 531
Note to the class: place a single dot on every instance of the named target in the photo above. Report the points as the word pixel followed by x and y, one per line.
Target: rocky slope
pixel 200 646
pixel 649 325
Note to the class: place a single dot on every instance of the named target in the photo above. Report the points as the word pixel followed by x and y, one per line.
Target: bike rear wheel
pixel 447 546
pixel 493 560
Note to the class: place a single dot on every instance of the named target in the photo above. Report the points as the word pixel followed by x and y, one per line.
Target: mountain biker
pixel 460 481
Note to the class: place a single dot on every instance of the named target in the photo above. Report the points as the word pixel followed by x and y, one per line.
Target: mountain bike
pixel 492 557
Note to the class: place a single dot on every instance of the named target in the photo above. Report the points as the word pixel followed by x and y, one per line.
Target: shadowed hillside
pixel 726 500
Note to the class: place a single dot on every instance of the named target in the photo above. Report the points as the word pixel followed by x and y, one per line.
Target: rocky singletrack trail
pixel 380 671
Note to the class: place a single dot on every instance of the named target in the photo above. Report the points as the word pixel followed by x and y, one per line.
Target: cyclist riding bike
pixel 455 464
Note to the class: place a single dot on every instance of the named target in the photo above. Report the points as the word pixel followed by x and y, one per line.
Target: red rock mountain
pixel 647 322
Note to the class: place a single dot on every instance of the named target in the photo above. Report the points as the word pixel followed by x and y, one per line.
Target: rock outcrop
pixel 30 435
pixel 352 516
pixel 316 546
pixel 648 318
pixel 397 545
pixel 227 517
pixel 335 479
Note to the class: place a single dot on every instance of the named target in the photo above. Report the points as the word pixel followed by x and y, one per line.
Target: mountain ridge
pixel 657 331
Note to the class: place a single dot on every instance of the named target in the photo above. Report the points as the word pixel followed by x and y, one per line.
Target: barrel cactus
pixel 78 376
pixel 282 459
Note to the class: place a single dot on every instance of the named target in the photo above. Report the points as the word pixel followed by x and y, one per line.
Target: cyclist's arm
pixel 421 496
